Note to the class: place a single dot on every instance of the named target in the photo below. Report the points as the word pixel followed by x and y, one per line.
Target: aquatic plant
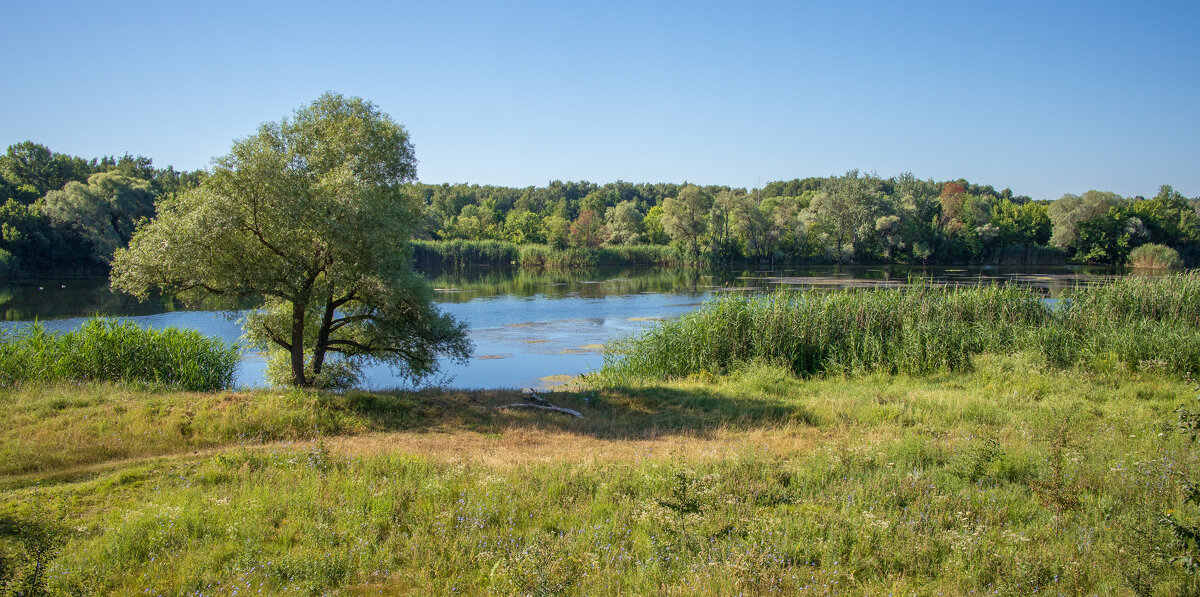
pixel 109 350
pixel 1133 323
pixel 915 330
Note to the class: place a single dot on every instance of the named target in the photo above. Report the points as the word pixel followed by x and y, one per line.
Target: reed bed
pixel 108 350
pixel 464 253
pixel 1133 323
pixel 1136 322
pixel 460 253
pixel 912 330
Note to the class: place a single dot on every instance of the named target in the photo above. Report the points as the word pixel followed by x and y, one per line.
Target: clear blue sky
pixel 1045 98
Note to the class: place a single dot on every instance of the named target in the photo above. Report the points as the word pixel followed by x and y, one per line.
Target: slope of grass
pixel 1012 478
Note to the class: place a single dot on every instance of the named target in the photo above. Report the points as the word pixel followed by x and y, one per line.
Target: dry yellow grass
pixel 521 446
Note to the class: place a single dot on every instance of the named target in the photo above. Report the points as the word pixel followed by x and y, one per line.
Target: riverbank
pixel 1014 476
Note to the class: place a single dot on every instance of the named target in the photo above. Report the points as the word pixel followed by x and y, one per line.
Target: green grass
pixel 930 441
pixel 1014 477
pixel 107 350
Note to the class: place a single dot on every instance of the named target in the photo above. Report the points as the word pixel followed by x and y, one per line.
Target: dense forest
pixel 66 215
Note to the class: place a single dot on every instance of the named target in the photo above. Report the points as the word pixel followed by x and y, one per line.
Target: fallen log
pixel 557 409
pixel 534 396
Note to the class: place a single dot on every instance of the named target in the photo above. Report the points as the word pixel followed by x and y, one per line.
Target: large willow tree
pixel 309 218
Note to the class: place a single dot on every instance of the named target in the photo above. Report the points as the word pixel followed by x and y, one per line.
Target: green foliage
pixel 1155 256
pixel 854 217
pixel 309 217
pixel 523 226
pixel 62 214
pixel 103 212
pixel 106 350
pixel 624 223
pixel 684 218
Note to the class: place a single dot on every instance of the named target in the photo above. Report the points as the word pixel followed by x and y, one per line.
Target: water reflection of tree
pixel 76 297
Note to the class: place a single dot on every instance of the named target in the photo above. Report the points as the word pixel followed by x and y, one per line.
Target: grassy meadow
pixel 1010 469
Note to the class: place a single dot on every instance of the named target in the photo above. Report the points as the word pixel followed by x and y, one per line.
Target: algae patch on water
pixel 586 348
pixel 560 381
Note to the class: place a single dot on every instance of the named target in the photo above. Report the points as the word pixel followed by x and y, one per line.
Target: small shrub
pixel 29 540
pixel 1155 256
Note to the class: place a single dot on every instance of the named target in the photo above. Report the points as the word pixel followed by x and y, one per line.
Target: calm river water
pixel 529 329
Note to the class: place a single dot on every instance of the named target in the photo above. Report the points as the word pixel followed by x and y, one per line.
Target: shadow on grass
pixel 27 544
pixel 620 413
pixel 184 425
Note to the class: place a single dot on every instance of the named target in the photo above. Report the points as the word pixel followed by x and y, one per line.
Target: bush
pixel 1154 256
pixel 109 350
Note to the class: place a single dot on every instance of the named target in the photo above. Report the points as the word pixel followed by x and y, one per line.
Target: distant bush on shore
pixel 108 350
pixel 1155 256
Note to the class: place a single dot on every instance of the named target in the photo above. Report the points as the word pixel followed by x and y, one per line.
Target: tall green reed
pixel 915 330
pixel 108 350
pixel 1135 322
pixel 1130 324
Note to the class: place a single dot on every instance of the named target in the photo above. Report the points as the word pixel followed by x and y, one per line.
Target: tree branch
pixel 276 339
pixel 343 321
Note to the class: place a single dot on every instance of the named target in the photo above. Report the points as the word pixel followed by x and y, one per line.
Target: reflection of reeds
pixel 1131 323
pixel 104 350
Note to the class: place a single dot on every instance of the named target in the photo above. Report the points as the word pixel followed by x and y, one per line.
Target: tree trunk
pixel 298 377
pixel 318 360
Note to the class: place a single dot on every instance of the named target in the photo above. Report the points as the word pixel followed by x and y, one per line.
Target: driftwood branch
pixel 557 409
pixel 542 404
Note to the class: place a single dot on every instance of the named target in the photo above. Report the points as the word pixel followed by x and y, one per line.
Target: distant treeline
pixel 65 215
pixel 61 214
pixel 852 218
